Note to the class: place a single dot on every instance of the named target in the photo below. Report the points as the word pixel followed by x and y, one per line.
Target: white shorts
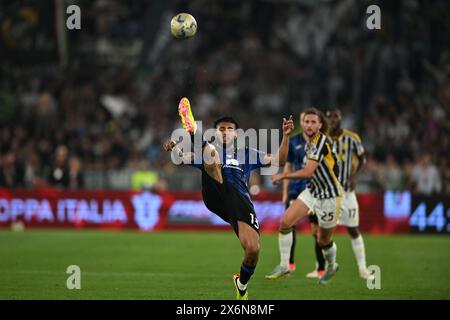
pixel 349 210
pixel 326 210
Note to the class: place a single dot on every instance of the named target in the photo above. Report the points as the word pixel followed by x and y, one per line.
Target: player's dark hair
pixel 325 127
pixel 226 119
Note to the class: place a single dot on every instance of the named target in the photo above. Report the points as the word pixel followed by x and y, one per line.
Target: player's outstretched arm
pixel 279 159
pixel 305 173
pixel 186 157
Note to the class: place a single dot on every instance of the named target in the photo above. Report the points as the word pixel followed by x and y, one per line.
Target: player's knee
pixel 323 242
pixel 284 223
pixel 210 155
pixel 353 232
pixel 252 249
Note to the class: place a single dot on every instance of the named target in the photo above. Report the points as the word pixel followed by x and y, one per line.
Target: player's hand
pixel 277 177
pixel 169 145
pixel 288 126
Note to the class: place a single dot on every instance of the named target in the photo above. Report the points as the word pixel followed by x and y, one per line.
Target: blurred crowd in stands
pixel 102 99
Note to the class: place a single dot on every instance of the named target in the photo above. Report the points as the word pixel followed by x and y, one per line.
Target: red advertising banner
pixel 149 211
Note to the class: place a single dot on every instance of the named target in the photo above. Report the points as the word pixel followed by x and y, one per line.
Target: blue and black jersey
pixel 297 157
pixel 237 165
pixel 231 200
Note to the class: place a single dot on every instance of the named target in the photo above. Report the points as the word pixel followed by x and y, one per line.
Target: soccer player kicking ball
pixel 322 196
pixel 225 178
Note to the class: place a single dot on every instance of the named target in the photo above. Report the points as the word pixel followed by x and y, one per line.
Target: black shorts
pixel 289 201
pixel 228 203
pixel 311 217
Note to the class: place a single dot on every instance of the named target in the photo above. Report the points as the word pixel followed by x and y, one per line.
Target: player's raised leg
pixel 296 211
pixel 211 162
pixel 211 159
pixel 249 239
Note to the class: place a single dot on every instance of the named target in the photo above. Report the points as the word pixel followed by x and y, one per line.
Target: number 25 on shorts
pixel 327 216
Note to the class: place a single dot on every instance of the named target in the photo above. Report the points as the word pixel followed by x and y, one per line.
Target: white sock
pixel 330 255
pixel 359 251
pixel 241 286
pixel 285 244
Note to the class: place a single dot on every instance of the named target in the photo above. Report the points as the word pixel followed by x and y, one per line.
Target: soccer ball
pixel 183 26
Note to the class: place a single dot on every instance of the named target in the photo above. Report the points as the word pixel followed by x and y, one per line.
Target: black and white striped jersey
pixel 324 183
pixel 347 145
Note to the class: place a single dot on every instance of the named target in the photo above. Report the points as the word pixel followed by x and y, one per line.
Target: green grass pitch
pixel 199 265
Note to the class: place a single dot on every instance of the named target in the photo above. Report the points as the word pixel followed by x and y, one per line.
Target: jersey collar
pixel 316 137
pixel 338 136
